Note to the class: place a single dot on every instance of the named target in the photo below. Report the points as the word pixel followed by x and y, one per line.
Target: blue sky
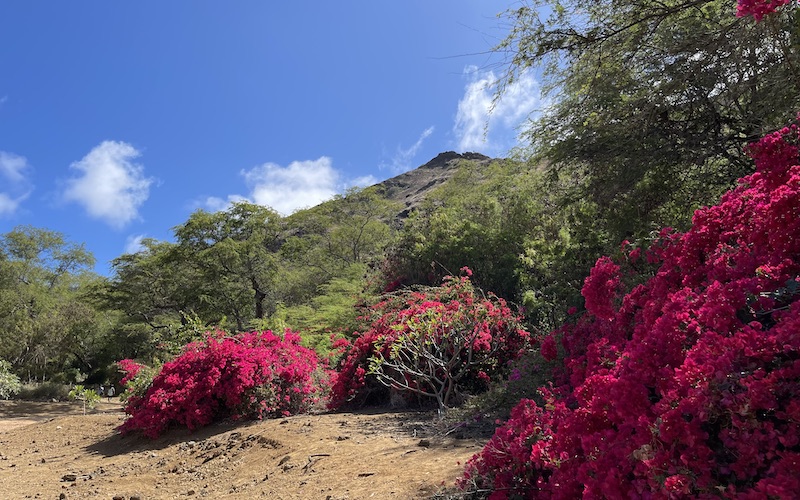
pixel 119 119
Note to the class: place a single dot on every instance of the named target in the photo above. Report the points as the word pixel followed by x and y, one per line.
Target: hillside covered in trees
pixel 635 263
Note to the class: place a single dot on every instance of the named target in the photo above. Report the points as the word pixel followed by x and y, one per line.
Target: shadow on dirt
pixel 118 444
pixel 416 424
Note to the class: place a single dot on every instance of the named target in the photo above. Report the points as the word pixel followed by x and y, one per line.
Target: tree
pixel 233 253
pixel 326 262
pixel 340 238
pixel 483 228
pixel 152 293
pixel 653 100
pixel 46 323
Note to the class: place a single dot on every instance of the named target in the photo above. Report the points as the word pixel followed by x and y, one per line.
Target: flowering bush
pixel 250 375
pixel 130 369
pixel 687 384
pixel 438 343
pixel 758 8
pixel 137 378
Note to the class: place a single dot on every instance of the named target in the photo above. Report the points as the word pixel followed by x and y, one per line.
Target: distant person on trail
pixel 110 393
pixel 102 390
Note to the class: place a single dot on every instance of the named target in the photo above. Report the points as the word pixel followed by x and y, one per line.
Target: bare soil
pixel 52 450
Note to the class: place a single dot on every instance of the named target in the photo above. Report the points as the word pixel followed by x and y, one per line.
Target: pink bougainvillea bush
pixel 249 375
pixel 130 369
pixel 686 385
pixel 437 342
pixel 760 8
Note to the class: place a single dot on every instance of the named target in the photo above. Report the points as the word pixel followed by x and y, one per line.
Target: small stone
pixel 424 443
pixel 190 492
pixel 69 477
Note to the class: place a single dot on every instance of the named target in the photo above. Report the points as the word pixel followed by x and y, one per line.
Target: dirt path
pixel 51 451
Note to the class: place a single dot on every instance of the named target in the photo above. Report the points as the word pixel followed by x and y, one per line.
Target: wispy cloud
pixel 16 185
pixel 361 182
pixel 109 185
pixel 402 159
pixel 133 243
pixel 217 204
pixel 13 167
pixel 480 128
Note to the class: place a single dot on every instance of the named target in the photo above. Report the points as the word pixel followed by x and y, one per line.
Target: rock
pixel 424 443
pixel 69 477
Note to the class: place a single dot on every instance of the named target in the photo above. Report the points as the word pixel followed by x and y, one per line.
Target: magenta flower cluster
pixel 686 385
pixel 250 375
pixel 453 310
pixel 130 369
pixel 758 8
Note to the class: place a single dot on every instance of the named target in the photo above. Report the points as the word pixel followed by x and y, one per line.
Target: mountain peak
pixel 412 187
pixel 448 156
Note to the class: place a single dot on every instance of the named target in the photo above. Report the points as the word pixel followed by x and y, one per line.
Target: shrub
pixel 250 375
pixel 89 397
pixel 436 342
pixel 686 385
pixel 45 391
pixel 9 383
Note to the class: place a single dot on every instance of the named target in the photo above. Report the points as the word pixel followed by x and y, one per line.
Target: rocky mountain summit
pixel 412 187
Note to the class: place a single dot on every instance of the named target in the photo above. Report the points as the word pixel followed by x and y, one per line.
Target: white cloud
pixel 299 185
pixel 133 243
pixel 16 186
pixel 362 182
pixel 110 186
pixel 9 205
pixel 480 128
pixel 403 157
pixel 12 166
pixel 216 204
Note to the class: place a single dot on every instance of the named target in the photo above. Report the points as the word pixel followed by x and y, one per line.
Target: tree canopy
pixel 653 101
